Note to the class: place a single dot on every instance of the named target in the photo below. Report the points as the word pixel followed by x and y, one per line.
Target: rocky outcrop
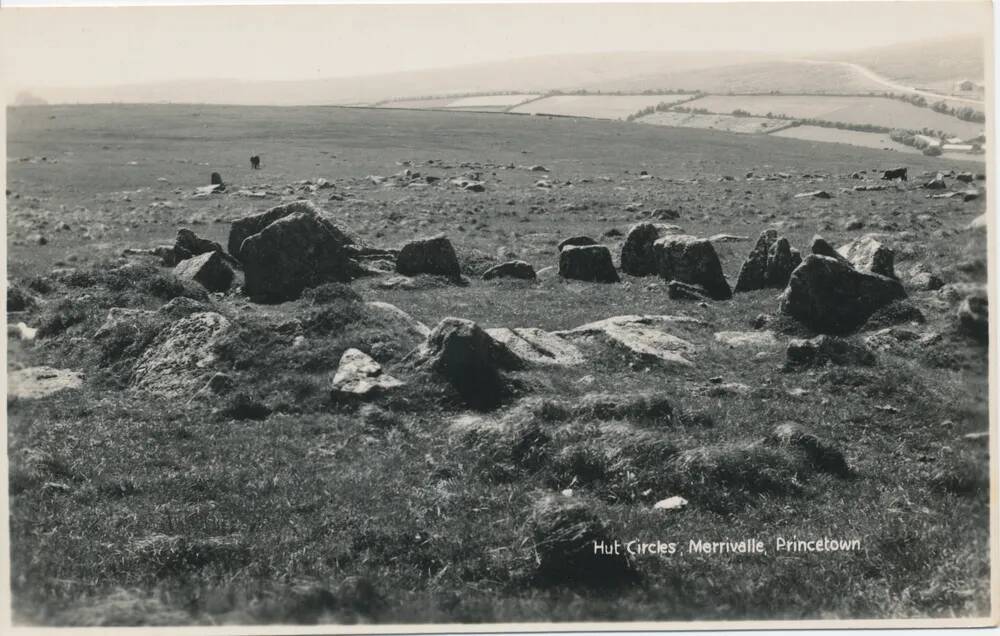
pixel 179 361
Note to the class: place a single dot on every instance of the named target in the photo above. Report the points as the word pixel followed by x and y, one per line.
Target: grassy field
pixel 852 110
pixel 130 509
pixel 861 139
pixel 487 103
pixel 726 123
pixel 596 106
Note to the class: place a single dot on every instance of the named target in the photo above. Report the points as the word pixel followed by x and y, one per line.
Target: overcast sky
pixel 100 46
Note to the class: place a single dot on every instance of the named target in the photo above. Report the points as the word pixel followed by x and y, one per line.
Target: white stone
pixel 754 339
pixel 670 503
pixel 359 374
pixel 538 346
pixel 38 382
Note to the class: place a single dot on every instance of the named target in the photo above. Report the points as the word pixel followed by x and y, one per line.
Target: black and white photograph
pixel 464 317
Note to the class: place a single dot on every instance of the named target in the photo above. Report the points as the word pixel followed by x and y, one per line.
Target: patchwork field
pixel 879 111
pixel 596 106
pixel 861 139
pixel 725 123
pixel 232 484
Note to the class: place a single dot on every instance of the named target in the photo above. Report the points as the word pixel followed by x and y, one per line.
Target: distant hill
pixel 936 64
pixel 925 63
pixel 24 98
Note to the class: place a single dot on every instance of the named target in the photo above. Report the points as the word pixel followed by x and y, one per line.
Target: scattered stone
pixel 694 261
pixel 926 281
pixel 830 296
pixel 965 177
pixel 816 194
pixel 728 238
pixel 978 223
pixel 937 183
pixel 821 248
pixel 38 382
pixel 676 290
pixel 22 331
pixel 537 346
pixel 973 317
pixel 637 256
pixel 749 339
pixel 175 364
pixel 867 254
pixel 216 179
pixel 670 503
pixel 433 255
pixel 576 241
pixel 511 269
pixel 361 376
pixel 205 191
pixel 640 335
pixel 591 263
pixel 209 269
pixel 538 169
pixel 822 349
pixel 853 223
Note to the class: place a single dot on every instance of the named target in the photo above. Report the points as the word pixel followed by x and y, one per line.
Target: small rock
pixel 359 375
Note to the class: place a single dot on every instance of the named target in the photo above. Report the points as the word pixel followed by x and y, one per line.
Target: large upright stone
pixel 638 257
pixel 692 260
pixel 867 254
pixel 209 269
pixel 830 296
pixel 591 263
pixel 295 252
pixel 433 255
pixel 768 265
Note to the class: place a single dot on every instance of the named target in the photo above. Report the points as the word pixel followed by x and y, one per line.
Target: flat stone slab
pixel 537 346
pixel 38 382
pixel 359 374
pixel 750 339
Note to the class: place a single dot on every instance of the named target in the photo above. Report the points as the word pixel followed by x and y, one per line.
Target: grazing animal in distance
pixel 216 178
pixel 898 173
pixel 255 162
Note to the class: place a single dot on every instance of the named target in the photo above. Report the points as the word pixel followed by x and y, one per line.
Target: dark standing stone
pixel 752 271
pixel 510 269
pixel 216 179
pixel 638 257
pixel 209 269
pixel 830 296
pixel 820 247
pixel 295 252
pixel 590 263
pixel 576 241
pixel 692 260
pixel 433 255
pixel 895 173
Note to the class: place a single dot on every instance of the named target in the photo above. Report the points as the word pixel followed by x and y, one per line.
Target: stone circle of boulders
pixel 591 263
pixel 769 264
pixel 830 296
pixel 867 254
pixel 464 355
pixel 434 255
pixel 692 260
pixel 296 251
pixel 210 270
pixel 511 269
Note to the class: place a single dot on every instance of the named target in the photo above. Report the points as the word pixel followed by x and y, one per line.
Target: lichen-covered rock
pixel 868 254
pixel 361 376
pixel 830 296
pixel 433 255
pixel 591 263
pixel 694 261
pixel 246 227
pixel 179 362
